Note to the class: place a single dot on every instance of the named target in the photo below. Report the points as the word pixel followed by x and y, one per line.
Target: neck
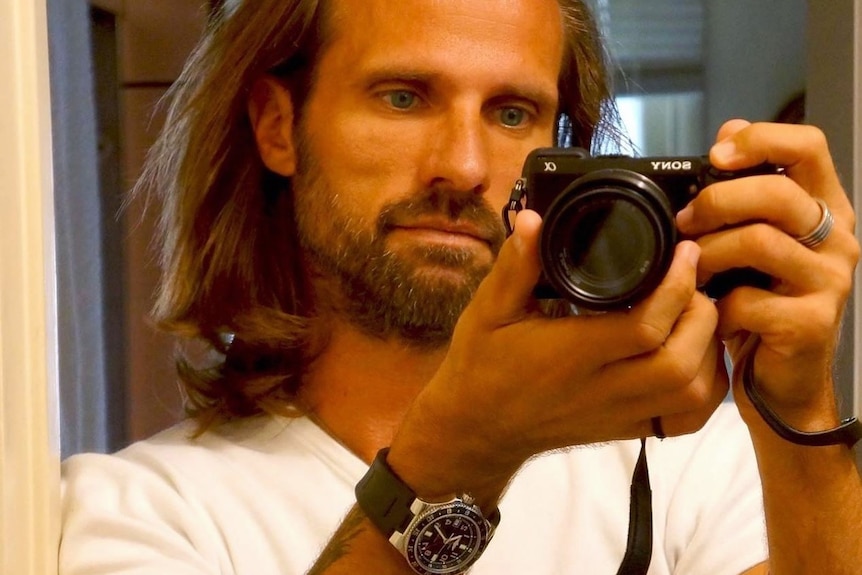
pixel 359 388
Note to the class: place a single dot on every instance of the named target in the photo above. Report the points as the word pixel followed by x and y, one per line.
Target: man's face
pixel 414 132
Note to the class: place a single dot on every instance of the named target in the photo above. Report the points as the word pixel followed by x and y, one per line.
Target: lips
pixel 449 228
pixel 445 218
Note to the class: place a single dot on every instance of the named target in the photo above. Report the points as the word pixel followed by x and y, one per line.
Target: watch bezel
pixel 395 509
pixel 481 532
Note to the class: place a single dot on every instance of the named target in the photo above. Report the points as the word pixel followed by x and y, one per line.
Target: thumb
pixel 507 292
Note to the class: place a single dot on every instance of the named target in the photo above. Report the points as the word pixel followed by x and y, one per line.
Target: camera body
pixel 609 231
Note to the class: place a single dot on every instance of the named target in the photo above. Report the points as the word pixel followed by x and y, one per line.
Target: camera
pixel 608 231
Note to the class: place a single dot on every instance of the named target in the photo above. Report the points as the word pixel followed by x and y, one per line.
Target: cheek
pixel 345 180
pixel 369 165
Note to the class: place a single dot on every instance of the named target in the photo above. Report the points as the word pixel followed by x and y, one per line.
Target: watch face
pixel 447 539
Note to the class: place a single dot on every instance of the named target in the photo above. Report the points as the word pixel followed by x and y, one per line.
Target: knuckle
pixel 814 137
pixel 851 219
pixel 709 199
pixel 648 335
pixel 759 238
pixel 690 424
pixel 853 250
pixel 842 281
pixel 681 374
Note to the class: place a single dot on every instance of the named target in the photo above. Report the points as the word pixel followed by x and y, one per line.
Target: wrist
pixel 434 537
pixel 438 453
pixel 820 428
pixel 436 476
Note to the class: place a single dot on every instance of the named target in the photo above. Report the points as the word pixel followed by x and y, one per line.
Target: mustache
pixel 461 207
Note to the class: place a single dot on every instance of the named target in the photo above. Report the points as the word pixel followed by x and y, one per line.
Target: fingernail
pixel 691 251
pixel 685 217
pixel 724 152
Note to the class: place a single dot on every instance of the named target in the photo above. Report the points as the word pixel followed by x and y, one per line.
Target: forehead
pixel 502 37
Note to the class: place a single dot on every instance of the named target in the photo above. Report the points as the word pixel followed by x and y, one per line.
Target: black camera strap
pixel 638 553
pixel 639 548
pixel 848 432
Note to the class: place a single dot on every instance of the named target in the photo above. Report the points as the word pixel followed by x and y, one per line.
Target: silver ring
pixel 819 234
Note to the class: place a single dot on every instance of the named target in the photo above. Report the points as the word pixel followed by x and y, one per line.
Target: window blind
pixel 657 45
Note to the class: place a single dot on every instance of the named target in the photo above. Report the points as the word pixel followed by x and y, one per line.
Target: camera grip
pixel 723 282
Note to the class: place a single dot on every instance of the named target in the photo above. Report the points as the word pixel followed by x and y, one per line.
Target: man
pixel 394 315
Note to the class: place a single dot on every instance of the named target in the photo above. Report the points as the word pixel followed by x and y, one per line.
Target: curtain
pixel 85 421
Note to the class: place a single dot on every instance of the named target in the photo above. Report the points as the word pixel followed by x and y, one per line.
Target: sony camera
pixel 608 231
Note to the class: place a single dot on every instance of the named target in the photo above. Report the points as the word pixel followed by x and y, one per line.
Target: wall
pixel 755 58
pixel 29 436
pixel 835 93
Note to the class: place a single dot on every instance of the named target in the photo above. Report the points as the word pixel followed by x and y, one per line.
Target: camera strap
pixel 848 432
pixel 638 553
pixel 513 206
pixel 639 547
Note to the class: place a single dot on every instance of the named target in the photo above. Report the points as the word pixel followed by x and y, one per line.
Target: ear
pixel 270 110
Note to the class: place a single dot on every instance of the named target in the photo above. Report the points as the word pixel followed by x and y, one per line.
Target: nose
pixel 458 157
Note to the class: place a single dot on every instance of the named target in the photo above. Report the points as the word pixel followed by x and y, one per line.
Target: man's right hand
pixel 516 383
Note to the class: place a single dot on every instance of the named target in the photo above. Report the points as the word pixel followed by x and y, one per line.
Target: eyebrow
pixel 524 91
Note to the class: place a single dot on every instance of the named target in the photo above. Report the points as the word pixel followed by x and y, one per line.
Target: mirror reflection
pixel 369 359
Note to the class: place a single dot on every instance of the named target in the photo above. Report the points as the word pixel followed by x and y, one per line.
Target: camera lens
pixel 607 240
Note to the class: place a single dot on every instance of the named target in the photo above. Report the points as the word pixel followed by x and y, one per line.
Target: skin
pixel 663 357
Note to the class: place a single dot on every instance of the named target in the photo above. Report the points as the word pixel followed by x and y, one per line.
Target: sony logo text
pixel 671 165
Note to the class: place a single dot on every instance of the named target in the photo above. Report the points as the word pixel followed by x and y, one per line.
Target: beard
pixel 383 292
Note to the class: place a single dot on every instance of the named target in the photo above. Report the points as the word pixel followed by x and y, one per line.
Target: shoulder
pixel 219 501
pixel 178 453
pixel 175 470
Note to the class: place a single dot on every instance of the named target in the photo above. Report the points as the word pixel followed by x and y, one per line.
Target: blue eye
pixel 512 117
pixel 401 99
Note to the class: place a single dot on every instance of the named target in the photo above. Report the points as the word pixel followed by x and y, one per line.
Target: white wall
pixel 29 441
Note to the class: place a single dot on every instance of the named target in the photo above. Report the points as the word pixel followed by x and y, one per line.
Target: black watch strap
pixel 384 498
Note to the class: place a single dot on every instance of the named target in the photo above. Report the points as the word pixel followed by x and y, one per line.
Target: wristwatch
pixel 435 538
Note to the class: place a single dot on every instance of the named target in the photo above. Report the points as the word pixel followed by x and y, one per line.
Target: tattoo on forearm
pixel 339 545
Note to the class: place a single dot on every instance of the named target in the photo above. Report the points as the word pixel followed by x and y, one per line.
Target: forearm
pixel 358 548
pixel 813 504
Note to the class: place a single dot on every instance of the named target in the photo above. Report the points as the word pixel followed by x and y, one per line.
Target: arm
pixel 812 495
pixel 489 408
pixel 357 534
pixel 813 502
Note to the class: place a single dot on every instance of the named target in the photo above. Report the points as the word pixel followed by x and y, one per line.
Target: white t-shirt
pixel 264 496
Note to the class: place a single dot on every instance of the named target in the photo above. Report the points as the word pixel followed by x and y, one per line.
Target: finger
pixel 683 407
pixel 730 127
pixel 647 325
pixel 785 324
pixel 671 368
pixel 714 372
pixel 755 198
pixel 802 150
pixel 506 293
pixel 795 356
pixel 768 249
